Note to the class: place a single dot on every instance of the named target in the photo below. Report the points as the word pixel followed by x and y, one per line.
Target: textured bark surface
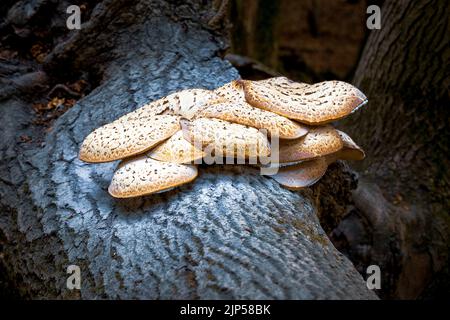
pixel 401 219
pixel 230 234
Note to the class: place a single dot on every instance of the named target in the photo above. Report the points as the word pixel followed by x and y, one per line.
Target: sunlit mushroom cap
pixel 121 139
pixel 142 176
pixel 232 91
pixel 301 175
pixel 245 114
pixel 177 150
pixel 188 103
pixel 228 139
pixel 319 142
pixel 237 110
pixel 154 108
pixel 311 104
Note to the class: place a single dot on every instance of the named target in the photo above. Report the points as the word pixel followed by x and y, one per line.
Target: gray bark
pixel 230 234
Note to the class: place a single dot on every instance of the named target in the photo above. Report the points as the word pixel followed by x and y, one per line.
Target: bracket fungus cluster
pixel 161 143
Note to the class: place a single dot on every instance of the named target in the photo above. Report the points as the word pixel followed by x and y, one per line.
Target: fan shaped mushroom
pixel 311 104
pixel 304 173
pixel 232 91
pixel 237 110
pixel 161 139
pixel 121 139
pixel 176 150
pixel 319 142
pixel 226 138
pixel 186 103
pixel 142 175
pixel 301 175
pixel 247 115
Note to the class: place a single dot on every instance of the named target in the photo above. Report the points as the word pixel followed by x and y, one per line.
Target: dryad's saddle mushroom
pixel 161 143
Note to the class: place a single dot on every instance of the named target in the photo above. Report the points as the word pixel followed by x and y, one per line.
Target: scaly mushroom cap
pixel 229 139
pixel 154 108
pixel 311 104
pixel 307 173
pixel 247 115
pixel 237 110
pixel 176 150
pixel 186 103
pixel 141 176
pixel 319 142
pixel 121 139
pixel 232 91
pixel 301 175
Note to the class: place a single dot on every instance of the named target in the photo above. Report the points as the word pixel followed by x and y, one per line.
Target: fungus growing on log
pixel 304 173
pixel 191 124
pixel 237 110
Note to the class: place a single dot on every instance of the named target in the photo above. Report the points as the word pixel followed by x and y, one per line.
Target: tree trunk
pixel 230 234
pixel 401 221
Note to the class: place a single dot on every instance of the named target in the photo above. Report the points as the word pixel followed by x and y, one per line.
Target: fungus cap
pixel 149 110
pixel 319 142
pixel 188 103
pixel 121 139
pixel 142 176
pixel 228 139
pixel 301 175
pixel 310 104
pixel 232 91
pixel 176 150
pixel 245 114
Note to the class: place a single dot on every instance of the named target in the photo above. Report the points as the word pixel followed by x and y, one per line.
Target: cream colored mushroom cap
pixel 188 103
pixel 319 142
pixel 184 103
pixel 314 104
pixel 149 110
pixel 176 150
pixel 237 110
pixel 245 114
pixel 142 176
pixel 232 91
pixel 121 139
pixel 228 139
